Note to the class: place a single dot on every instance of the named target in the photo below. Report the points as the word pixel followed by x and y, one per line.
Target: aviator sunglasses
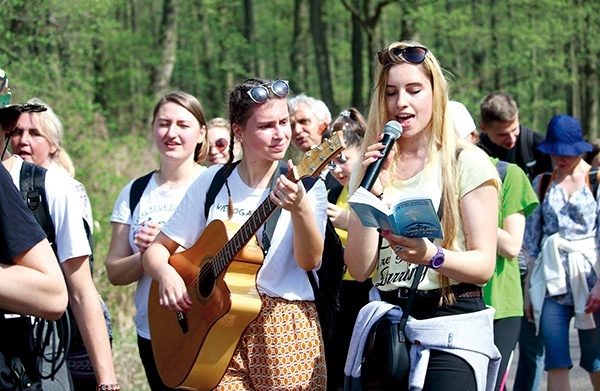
pixel 220 144
pixel 260 94
pixel 412 54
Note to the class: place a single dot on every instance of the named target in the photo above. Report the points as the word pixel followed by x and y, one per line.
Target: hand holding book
pixel 412 218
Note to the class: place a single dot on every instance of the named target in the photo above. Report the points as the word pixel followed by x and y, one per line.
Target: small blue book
pixel 413 217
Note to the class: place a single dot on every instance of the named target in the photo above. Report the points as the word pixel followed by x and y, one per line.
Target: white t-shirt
pixel 474 169
pixel 85 201
pixel 65 210
pixel 155 205
pixel 279 275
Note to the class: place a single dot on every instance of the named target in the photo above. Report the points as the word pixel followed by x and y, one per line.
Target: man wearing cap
pixel 562 237
pixel 72 251
pixel 503 137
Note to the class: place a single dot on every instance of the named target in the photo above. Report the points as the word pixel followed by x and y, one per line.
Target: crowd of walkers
pixel 517 261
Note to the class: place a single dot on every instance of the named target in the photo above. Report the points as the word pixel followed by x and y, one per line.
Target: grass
pixel 105 166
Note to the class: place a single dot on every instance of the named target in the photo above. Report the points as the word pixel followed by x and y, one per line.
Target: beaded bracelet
pixel 109 387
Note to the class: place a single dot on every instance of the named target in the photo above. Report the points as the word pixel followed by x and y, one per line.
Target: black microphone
pixel 391 132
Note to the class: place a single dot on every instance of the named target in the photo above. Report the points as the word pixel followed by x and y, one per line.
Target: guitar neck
pixel 312 163
pixel 245 233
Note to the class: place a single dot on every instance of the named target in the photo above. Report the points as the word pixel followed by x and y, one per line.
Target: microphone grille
pixel 393 128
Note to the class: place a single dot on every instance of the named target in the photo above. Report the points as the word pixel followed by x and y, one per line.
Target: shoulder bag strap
pixel 412 294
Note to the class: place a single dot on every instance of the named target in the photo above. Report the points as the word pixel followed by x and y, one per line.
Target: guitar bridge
pixel 183 323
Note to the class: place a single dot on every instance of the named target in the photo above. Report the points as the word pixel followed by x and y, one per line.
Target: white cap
pixel 461 119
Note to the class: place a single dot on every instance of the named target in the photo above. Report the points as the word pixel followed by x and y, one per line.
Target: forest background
pixel 103 64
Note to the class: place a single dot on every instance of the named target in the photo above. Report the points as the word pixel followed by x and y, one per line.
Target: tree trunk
pixel 297 82
pixel 357 63
pixel 495 47
pixel 321 52
pixel 368 19
pixel 575 86
pixel 251 65
pixel 167 46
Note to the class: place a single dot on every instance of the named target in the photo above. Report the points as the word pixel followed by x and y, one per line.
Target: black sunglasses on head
pixel 412 54
pixel 260 94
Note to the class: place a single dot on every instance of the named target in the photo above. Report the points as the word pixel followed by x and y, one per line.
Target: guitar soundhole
pixel 206 280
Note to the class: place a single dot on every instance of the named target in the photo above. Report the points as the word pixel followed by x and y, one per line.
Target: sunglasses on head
pixel 260 94
pixel 221 144
pixel 412 54
pixel 341 160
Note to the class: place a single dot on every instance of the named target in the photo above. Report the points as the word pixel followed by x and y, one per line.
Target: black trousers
pixel 147 356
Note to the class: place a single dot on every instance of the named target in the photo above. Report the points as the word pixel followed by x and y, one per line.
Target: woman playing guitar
pixel 282 348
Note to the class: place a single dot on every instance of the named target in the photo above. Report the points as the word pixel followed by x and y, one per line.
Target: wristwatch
pixel 438 259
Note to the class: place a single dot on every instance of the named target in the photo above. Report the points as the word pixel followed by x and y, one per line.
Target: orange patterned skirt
pixel 282 349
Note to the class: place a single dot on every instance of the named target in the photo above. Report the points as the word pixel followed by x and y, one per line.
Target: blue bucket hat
pixel 564 137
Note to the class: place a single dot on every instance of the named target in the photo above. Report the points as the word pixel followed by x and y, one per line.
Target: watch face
pixel 437 261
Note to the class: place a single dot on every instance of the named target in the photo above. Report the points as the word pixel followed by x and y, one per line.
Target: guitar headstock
pixel 315 160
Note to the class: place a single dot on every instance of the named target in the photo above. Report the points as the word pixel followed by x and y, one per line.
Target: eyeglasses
pixel 333 165
pixel 412 54
pixel 260 94
pixel 221 144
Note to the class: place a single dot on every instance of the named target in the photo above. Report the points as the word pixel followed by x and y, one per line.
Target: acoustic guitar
pixel 193 349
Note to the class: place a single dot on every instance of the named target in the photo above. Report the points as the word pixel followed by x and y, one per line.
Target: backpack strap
pixel 272 221
pixel 137 189
pixel 218 182
pixel 526 148
pixel 32 184
pixel 594 180
pixel 215 186
pixel 544 184
pixel 90 238
pixel 501 166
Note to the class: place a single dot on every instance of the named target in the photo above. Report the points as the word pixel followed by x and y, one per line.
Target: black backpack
pixel 327 291
pixel 32 186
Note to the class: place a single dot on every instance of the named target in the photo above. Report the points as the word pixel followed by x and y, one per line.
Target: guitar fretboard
pixel 243 235
pixel 311 165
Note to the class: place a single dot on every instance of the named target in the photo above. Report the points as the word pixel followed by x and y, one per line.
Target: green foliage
pixel 92 61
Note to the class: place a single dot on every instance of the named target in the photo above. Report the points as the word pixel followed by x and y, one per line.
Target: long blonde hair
pixel 442 137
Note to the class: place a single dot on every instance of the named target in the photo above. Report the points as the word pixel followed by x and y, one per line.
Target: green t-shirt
pixel 503 291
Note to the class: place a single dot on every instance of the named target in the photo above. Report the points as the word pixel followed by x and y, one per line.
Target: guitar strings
pixel 266 204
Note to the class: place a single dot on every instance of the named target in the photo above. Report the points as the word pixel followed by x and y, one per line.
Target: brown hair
pixel 352 124
pixel 497 107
